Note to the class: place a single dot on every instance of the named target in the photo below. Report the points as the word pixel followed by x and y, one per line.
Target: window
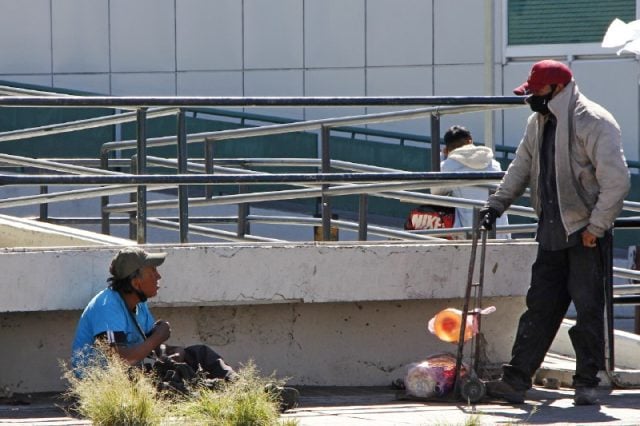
pixel 561 27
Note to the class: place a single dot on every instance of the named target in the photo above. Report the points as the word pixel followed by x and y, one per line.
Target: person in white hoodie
pixel 461 155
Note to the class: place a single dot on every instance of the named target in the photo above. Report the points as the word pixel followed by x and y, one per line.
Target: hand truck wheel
pixel 472 389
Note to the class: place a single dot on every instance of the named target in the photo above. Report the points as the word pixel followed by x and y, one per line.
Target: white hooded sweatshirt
pixel 470 158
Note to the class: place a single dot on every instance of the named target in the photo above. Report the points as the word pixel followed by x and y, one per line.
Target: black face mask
pixel 541 103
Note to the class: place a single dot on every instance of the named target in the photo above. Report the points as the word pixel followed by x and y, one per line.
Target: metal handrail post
pixel 183 190
pixel 208 165
pixel 362 217
pixel 325 133
pixel 44 207
pixel 133 198
pixel 104 200
pixel 607 253
pixel 243 212
pixel 435 142
pixel 141 139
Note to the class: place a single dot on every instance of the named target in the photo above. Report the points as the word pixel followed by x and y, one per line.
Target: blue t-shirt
pixel 107 313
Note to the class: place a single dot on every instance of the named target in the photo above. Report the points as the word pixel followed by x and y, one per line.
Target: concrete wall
pixel 295 48
pixel 323 314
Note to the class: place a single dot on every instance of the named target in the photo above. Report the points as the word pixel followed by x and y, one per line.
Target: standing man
pixel 461 155
pixel 571 158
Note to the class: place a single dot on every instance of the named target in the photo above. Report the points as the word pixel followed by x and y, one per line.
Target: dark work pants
pixel 559 277
pixel 202 356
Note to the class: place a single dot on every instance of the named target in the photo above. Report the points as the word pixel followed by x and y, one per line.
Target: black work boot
pixel 287 396
pixel 503 390
pixel 585 396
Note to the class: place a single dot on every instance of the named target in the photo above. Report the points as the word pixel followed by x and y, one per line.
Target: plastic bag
pixel 433 377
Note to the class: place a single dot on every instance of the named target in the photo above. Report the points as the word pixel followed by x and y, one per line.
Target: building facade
pixel 321 48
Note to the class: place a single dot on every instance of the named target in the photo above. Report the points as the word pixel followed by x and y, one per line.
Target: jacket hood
pixel 475 157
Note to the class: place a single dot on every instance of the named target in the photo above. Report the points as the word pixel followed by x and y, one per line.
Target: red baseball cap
pixel 543 73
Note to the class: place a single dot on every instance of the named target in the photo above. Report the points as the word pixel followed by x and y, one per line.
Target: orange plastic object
pixel 446 325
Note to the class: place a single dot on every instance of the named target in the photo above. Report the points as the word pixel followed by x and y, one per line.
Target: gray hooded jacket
pixel 591 173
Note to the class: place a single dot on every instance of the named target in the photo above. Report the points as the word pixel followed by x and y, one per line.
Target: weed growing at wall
pixel 111 392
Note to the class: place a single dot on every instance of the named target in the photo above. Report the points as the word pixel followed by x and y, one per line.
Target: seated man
pixel 120 316
pixel 461 155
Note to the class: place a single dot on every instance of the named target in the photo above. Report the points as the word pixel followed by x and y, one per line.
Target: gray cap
pixel 129 259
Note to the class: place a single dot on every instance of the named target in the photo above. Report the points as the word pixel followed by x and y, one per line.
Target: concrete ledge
pixel 560 363
pixel 321 314
pixel 626 346
pixel 61 278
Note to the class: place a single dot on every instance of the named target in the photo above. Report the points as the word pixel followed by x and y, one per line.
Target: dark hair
pixel 123 285
pixel 456 136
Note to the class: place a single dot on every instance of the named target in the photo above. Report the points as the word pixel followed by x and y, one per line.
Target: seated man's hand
pixel 488 216
pixel 176 353
pixel 161 330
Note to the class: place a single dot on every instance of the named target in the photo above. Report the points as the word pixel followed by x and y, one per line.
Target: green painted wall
pixel 534 22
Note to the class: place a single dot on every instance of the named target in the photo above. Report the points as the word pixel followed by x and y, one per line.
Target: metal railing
pixel 354 179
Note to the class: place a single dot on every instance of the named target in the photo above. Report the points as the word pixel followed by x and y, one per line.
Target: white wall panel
pixel 209 35
pixel 515 74
pixel 274 83
pixel 400 81
pixel 399 32
pixel 80 36
pixel 142 35
pixel 334 82
pixel 39 79
pixel 614 85
pixel 334 33
pixel 25 37
pixel 143 84
pixel 222 83
pixel 461 80
pixel 92 83
pixel 459 32
pixel 273 34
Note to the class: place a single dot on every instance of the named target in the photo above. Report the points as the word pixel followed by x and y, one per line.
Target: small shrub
pixel 244 402
pixel 107 391
pixel 111 392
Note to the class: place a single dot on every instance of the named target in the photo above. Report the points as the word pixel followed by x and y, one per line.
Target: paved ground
pixel 380 406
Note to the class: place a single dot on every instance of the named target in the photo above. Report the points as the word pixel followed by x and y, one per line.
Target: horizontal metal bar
pixel 53 165
pixel 627 223
pixel 301 126
pixel 626 273
pixel 626 300
pixel 120 220
pixel 626 289
pixel 89 123
pixel 210 232
pixel 258 178
pixel 631 206
pixel 71 195
pixel 212 101
pixel 287 194
pixel 503 229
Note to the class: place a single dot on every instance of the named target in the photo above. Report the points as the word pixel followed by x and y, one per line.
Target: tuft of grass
pixel 243 402
pixel 107 391
pixel 110 392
